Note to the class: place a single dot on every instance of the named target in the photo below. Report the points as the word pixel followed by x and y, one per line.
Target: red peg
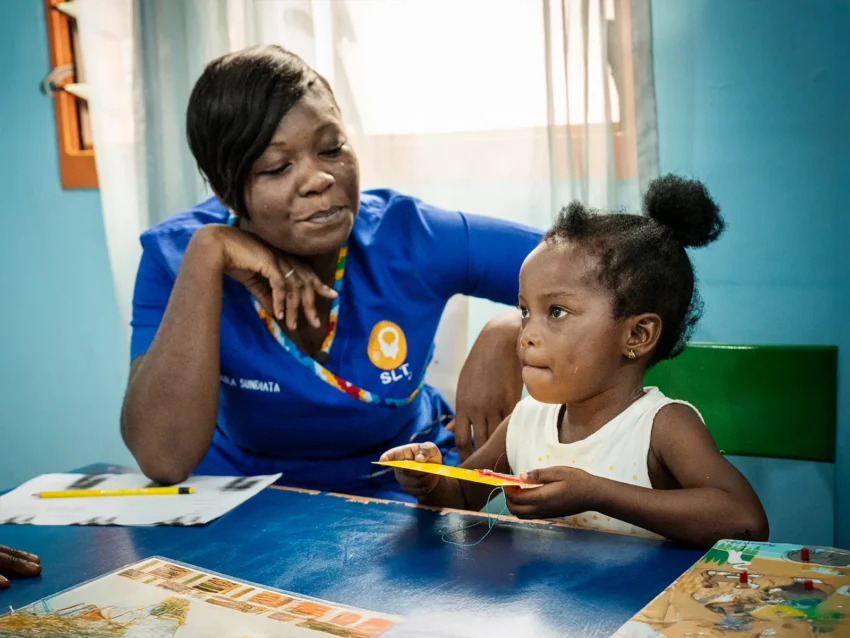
pixel 743 576
pixel 808 585
pixel 804 554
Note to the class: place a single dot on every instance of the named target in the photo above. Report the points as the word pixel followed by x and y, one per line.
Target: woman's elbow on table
pixel 160 463
pixel 163 470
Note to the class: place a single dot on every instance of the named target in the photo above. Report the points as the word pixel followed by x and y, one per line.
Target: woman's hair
pixel 234 110
pixel 641 259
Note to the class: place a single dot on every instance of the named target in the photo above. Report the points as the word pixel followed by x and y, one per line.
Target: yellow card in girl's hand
pixel 475 476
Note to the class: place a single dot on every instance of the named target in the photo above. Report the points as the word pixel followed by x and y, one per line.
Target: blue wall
pixel 63 363
pixel 753 99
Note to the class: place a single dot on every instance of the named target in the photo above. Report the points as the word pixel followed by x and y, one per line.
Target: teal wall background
pixel 63 363
pixel 753 99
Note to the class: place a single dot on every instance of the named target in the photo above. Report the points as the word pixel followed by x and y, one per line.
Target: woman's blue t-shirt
pixel 405 260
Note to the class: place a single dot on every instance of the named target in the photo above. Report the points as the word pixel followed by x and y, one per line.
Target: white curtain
pixel 509 108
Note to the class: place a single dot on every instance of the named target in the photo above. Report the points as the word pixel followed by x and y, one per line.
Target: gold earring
pixel 631 354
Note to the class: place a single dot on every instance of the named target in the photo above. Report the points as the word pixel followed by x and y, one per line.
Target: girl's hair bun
pixel 685 208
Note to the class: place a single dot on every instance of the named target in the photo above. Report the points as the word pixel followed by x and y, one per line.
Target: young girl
pixel 603 298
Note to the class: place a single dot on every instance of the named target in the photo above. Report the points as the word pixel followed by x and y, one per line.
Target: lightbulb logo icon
pixel 387 346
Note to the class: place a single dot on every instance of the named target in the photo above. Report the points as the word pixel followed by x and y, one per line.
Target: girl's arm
pixel 715 501
pixel 444 491
pixel 465 494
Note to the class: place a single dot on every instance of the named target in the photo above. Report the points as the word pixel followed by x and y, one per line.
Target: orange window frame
pixel 76 164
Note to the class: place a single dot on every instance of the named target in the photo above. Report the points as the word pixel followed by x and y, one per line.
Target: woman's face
pixel 303 192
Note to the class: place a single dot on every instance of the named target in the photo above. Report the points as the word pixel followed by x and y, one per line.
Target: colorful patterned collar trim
pixel 326 375
pixel 319 370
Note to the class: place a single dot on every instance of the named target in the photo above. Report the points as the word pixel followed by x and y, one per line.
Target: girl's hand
pixel 416 484
pixel 565 491
pixel 281 283
pixel 14 561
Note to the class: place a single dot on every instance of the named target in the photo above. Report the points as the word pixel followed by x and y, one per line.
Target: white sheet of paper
pixel 213 497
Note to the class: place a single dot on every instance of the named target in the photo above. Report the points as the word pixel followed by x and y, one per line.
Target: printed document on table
pixel 213 497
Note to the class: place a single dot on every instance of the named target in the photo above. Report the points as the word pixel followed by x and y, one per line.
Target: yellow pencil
pixel 142 491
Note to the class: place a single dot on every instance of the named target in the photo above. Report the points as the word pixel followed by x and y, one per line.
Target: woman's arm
pixel 170 408
pixel 479 257
pixel 169 412
pixel 469 254
pixel 490 383
pixel 715 501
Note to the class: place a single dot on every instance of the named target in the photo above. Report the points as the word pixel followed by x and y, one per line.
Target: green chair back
pixel 769 401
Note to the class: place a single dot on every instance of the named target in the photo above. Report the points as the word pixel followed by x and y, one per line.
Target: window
pixel 433 81
pixel 73 128
pixel 486 73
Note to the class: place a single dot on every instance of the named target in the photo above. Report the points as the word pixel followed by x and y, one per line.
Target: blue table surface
pixel 382 556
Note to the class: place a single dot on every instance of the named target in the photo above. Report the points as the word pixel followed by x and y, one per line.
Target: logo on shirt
pixel 387 346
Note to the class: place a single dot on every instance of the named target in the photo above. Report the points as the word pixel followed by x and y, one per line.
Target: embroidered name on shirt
pixel 250 384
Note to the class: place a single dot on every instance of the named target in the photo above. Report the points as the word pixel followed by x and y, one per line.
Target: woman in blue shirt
pixel 224 377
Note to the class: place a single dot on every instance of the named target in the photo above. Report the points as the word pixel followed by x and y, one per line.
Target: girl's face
pixel 571 346
pixel 303 192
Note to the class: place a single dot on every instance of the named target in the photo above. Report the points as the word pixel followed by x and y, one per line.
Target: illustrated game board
pixel 740 589
pixel 161 598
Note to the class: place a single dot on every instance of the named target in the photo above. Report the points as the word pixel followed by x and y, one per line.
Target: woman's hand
pixel 18 563
pixel 564 491
pixel 416 484
pixel 280 283
pixel 490 383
